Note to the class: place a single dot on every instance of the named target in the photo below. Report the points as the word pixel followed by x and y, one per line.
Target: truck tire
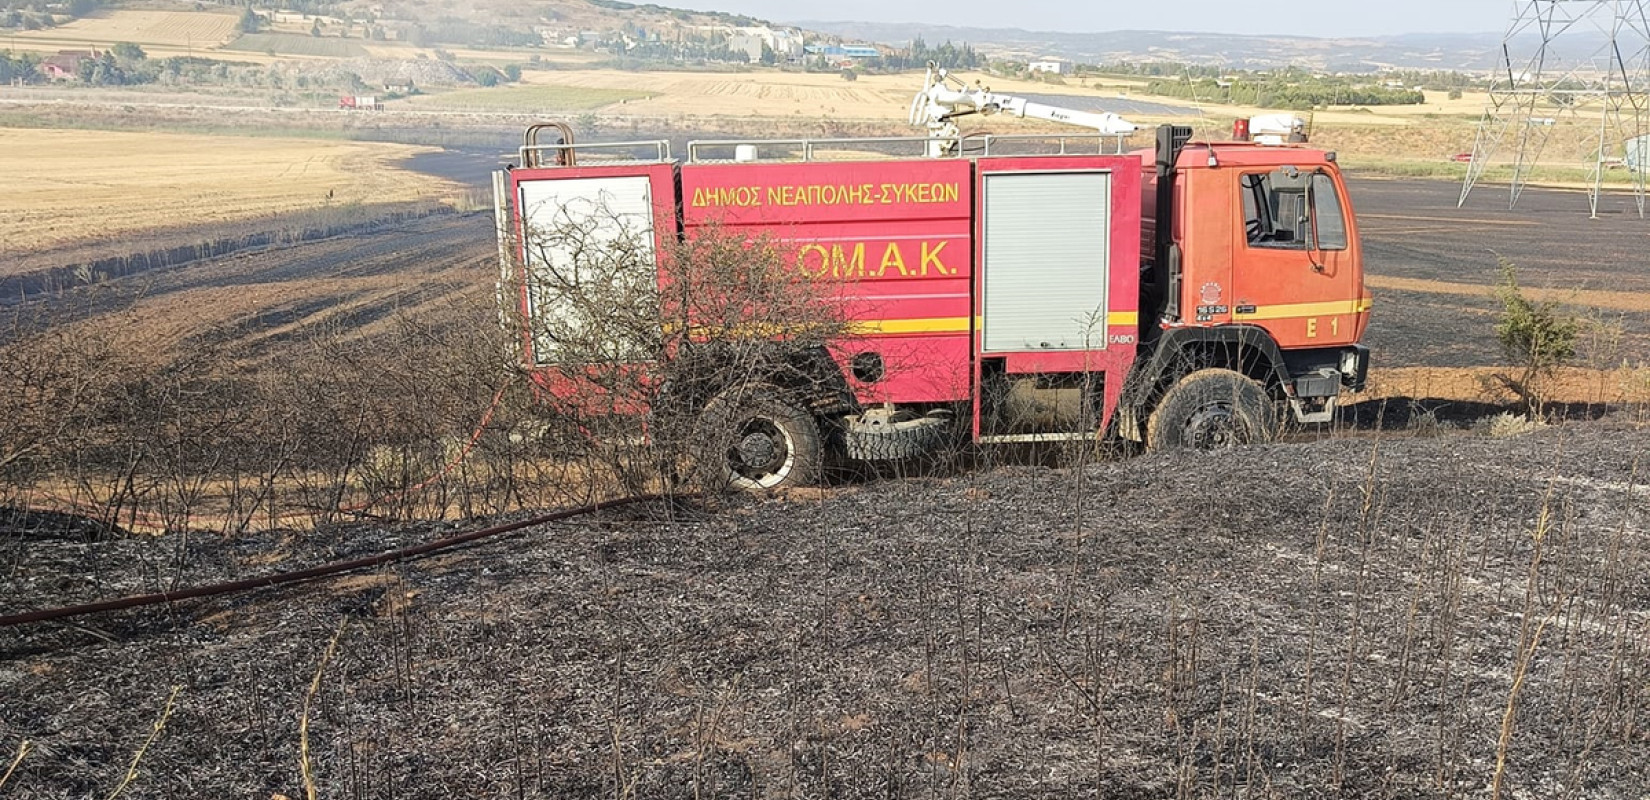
pixel 1212 409
pixel 751 440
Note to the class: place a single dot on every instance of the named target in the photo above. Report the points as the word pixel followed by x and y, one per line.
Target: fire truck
pixel 1001 289
pixel 359 102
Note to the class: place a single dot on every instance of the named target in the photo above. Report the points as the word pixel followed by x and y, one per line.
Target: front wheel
pixel 1212 409
pixel 751 440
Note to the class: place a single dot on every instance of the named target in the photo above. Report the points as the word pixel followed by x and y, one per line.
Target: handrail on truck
pixel 782 150
pixel 801 149
pixel 535 155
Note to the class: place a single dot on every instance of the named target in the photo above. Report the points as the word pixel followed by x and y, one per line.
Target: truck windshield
pixel 1278 211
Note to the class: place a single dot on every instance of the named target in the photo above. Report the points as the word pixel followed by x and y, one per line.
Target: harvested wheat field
pixel 766 94
pixel 69 185
pixel 1286 621
pixel 771 94
pixel 168 32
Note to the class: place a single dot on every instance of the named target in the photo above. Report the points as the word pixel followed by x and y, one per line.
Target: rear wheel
pixel 751 440
pixel 1212 409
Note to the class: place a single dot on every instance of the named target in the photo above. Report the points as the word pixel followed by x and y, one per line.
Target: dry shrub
pixel 631 354
pixel 51 381
pixel 383 417
pixel 340 424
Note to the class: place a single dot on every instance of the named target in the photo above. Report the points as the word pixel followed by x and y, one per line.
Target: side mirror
pixel 1314 251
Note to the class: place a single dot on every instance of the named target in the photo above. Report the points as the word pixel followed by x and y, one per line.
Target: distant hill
pixel 447 21
pixel 1442 51
pixel 593 14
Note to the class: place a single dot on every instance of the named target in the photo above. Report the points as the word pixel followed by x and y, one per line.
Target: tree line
pixel 1284 93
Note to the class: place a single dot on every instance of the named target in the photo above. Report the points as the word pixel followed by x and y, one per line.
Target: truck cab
pixel 1250 262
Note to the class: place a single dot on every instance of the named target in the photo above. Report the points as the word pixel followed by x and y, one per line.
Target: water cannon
pixel 944 98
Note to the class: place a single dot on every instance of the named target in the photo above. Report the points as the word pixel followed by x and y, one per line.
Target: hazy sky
pixel 1323 18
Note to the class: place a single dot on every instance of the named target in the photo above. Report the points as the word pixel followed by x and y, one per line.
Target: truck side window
pixel 1275 214
pixel 1327 211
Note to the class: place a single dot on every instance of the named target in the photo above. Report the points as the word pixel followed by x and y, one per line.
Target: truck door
pixel 1295 265
pixel 1057 294
pixel 1046 266
pixel 588 238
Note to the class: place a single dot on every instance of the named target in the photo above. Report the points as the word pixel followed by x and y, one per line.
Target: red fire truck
pixel 1186 295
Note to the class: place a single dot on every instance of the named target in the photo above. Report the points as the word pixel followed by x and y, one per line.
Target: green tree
pixel 1536 336
pixel 102 71
pixel 250 21
pixel 128 53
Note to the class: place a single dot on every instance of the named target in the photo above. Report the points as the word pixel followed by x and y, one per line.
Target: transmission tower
pixel 1573 65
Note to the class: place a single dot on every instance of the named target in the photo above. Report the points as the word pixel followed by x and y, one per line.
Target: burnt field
pixel 1432 266
pixel 1375 614
pixel 1284 621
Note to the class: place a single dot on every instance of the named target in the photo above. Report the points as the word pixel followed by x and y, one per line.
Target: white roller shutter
pixel 1047 260
pixel 590 257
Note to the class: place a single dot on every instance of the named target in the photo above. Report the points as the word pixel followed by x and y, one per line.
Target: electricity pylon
pixel 1543 84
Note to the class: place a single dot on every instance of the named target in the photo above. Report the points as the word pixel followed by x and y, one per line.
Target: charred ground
pixel 1349 616
pixel 1285 621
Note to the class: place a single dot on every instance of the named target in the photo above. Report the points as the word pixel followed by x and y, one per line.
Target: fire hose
pixel 311 573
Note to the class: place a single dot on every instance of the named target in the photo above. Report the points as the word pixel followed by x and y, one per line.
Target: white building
pixel 786 44
pixel 1052 67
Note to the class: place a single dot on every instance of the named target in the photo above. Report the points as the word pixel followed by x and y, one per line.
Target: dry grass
pixel 761 94
pixel 52 43
pixel 1570 385
pixel 212 34
pixel 171 29
pixel 1385 139
pixel 1587 298
pixel 529 99
pixel 1346 629
pixel 1403 140
pixel 297 45
pixel 773 93
pixel 69 185
pixel 499 57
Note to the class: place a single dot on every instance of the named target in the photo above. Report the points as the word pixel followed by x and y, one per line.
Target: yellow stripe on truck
pixel 1297 310
pixel 957 324
pixel 929 325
